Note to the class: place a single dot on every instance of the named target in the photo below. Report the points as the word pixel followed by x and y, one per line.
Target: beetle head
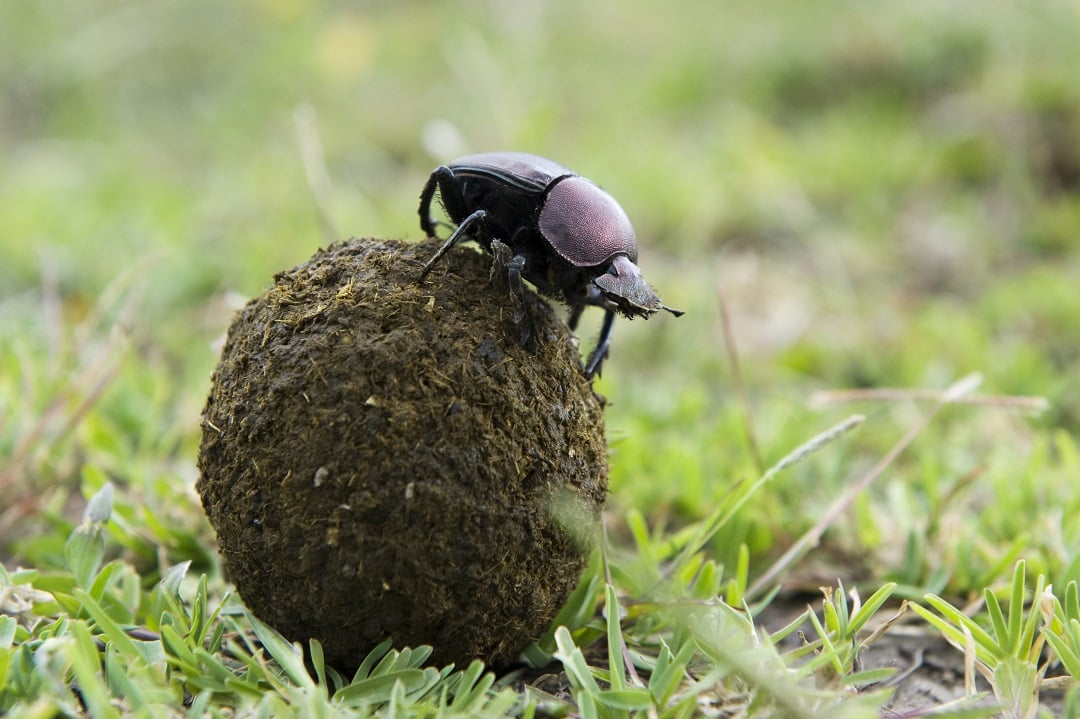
pixel 626 290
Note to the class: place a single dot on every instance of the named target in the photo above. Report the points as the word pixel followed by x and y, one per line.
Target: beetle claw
pixel 523 318
pixel 603 346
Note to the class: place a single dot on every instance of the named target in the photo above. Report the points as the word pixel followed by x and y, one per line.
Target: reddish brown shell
pixel 585 225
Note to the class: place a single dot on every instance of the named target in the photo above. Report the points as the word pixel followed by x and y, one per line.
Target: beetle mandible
pixel 568 237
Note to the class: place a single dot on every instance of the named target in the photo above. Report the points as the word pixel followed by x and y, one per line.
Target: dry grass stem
pixel 893 394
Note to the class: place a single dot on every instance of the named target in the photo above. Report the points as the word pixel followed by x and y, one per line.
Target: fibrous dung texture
pixel 382 458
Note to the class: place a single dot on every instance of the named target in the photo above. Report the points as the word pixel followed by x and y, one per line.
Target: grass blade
pixel 614 639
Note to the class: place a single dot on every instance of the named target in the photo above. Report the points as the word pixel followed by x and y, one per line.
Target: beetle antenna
pixel 672 310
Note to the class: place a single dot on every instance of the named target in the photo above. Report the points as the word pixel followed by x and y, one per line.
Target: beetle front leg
pixel 593 297
pixel 592 367
pixel 462 230
pixel 515 268
pixel 575 316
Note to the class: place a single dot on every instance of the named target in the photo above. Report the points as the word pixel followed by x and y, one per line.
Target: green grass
pixel 880 197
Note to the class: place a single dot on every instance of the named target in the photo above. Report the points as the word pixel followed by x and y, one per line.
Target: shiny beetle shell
pixel 593 226
pixel 565 235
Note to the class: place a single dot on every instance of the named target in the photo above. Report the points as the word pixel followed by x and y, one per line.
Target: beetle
pixel 567 236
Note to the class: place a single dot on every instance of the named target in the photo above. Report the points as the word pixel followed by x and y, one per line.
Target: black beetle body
pixel 567 236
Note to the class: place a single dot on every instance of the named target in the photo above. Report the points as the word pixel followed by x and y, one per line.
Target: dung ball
pixel 382 458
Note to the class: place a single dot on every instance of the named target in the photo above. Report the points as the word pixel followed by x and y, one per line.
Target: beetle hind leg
pixel 442 177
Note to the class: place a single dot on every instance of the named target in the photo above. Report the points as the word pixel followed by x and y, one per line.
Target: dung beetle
pixel 566 236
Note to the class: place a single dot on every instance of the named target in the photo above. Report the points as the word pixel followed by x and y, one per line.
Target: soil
pixel 928 672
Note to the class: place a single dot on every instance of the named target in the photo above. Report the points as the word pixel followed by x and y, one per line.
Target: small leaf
pixel 102 579
pixel 289 656
pixel 211 665
pixel 99 507
pixel 318 661
pixel 670 671
pixel 587 705
pixel 869 676
pixel 7 636
pixel 1071 605
pixel 372 659
pixel 177 649
pixel 379 689
pixel 1030 647
pixel 110 630
pixel 870 608
pixel 630 699
pixel 7 631
pixel 952 619
pixel 124 682
pixel 829 611
pixel 170 583
pixel 472 687
pixel 1015 686
pixel 1016 608
pixel 736 587
pixel 414 657
pixel 573 661
pixel 84 551
pixel 842 614
pixel 1067 654
pixel 86 666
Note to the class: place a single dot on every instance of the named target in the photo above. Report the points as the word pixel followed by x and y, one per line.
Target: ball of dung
pixel 382 458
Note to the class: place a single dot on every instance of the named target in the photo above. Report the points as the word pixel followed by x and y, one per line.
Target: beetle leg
pixel 443 178
pixel 462 230
pixel 592 368
pixel 575 315
pixel 525 319
pixel 427 222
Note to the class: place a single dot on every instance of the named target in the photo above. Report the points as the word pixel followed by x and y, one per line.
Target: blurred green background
pixel 886 195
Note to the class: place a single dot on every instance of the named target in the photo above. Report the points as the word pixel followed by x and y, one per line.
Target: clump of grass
pixel 1015 646
pixel 679 637
pixel 654 629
